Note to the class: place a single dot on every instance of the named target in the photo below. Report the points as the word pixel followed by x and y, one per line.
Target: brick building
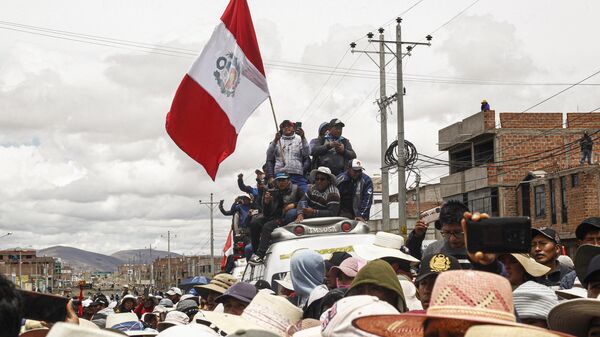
pixel 33 272
pixel 529 165
pixel 181 268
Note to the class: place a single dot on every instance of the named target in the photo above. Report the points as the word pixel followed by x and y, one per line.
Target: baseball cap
pixel 357 165
pixel 435 264
pixel 589 224
pixel 349 266
pixel 174 291
pixel 547 232
pixel 281 175
pixel 242 291
pixel 335 122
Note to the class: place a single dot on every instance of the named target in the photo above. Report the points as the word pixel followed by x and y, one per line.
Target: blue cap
pixel 281 175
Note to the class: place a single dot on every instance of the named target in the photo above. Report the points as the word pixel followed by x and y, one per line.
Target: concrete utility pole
pixel 385 187
pixel 168 257
pixel 212 206
pixel 400 97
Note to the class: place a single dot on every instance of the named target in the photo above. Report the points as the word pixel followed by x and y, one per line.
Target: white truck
pixel 323 235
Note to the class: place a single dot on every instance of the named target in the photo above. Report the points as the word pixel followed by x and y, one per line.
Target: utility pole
pixel 168 258
pixel 385 187
pixel 20 262
pixel 400 98
pixel 212 206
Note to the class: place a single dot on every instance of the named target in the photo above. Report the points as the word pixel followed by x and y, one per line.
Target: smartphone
pixel 44 307
pixel 499 235
pixel 430 215
pixel 298 125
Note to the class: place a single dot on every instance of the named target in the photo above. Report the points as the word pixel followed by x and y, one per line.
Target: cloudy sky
pixel 85 87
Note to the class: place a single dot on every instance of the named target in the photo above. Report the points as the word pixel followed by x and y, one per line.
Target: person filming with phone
pixel 289 153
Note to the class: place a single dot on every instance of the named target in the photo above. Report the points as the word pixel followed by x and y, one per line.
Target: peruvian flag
pixel 227 249
pixel 223 87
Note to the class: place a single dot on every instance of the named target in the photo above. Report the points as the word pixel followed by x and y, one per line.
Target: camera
pixel 499 235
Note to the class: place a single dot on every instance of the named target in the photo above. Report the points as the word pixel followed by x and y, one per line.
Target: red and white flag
pixel 221 90
pixel 227 249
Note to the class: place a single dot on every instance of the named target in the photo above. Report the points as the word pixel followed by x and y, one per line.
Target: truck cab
pixel 323 235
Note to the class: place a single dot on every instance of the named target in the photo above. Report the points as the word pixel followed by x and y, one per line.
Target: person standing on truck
pixel 336 150
pixel 319 141
pixel 322 198
pixel 279 206
pixel 289 153
pixel 356 192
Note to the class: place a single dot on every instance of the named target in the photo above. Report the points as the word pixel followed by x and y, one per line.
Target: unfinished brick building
pixel 528 164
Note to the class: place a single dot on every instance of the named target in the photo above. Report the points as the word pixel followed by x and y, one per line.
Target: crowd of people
pixel 390 287
pixel 383 288
pixel 300 180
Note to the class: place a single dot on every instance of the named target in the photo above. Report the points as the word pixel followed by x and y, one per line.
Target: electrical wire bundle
pixel 410 154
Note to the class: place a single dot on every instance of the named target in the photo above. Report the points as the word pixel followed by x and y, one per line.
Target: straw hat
pixel 196 330
pixel 573 293
pixel 173 318
pixel 507 331
pixel 304 324
pixel 531 267
pixel 120 318
pixel 460 298
pixel 87 324
pixel 384 245
pixel 219 284
pixel 273 313
pixel 226 323
pixel 574 316
pixel 337 320
pixel 533 300
pixel 61 329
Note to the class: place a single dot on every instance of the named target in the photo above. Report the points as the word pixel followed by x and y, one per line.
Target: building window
pixel 552 201
pixel 540 201
pixel 574 180
pixel 563 200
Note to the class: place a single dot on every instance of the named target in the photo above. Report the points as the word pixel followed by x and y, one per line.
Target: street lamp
pixel 5 235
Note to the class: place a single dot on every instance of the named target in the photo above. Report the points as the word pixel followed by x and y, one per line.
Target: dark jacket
pixel 242 209
pixel 328 157
pixel 356 196
pixel 586 142
pixel 280 199
pixel 256 193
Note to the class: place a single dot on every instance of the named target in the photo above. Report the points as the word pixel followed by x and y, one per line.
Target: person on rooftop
pixel 322 199
pixel 356 192
pixel 289 153
pixel 279 209
pixel 336 150
pixel 586 144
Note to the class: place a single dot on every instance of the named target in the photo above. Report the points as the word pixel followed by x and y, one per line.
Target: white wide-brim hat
pixel 385 245
pixel 61 329
pixel 118 318
pixel 323 170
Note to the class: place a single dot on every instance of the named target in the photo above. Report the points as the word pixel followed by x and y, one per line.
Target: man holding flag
pixel 221 90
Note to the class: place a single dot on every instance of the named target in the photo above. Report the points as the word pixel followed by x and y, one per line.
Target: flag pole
pixel 277 129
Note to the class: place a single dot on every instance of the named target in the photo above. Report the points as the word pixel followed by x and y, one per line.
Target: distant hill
pixel 134 255
pixel 81 259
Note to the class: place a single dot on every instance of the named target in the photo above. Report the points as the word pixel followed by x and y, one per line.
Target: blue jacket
pixel 362 198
